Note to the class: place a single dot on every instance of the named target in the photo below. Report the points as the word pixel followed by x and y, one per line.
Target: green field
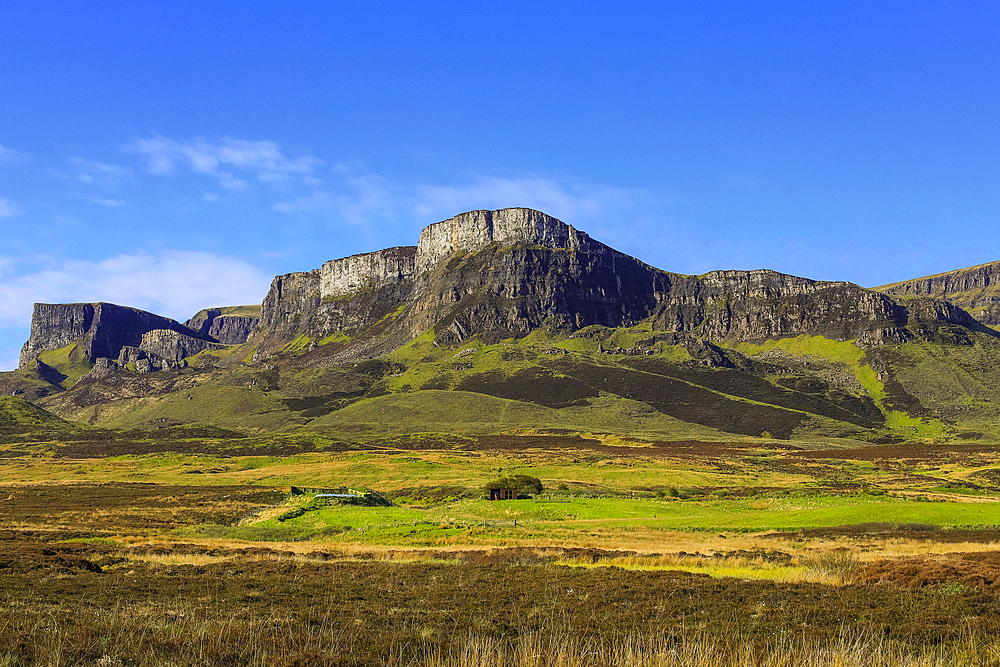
pixel 609 521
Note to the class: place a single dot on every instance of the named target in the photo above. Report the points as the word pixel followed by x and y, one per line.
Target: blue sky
pixel 174 156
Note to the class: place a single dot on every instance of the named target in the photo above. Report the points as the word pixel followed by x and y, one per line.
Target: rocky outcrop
pixel 232 329
pixel 173 346
pixel 496 275
pixel 291 302
pixel 295 309
pixel 103 330
pixel 500 292
pixel 475 230
pixel 55 325
pixel 756 305
pixel 229 326
pixel 975 289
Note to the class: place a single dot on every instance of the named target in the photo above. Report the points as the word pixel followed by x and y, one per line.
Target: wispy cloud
pixel 229 160
pixel 7 209
pixel 107 201
pixel 364 198
pixel 93 173
pixel 172 283
pixel 10 156
pixel 360 198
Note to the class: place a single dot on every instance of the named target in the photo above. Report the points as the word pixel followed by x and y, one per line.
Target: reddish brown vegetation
pixel 980 570
pixel 79 510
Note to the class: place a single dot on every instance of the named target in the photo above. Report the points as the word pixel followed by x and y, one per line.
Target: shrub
pixel 523 484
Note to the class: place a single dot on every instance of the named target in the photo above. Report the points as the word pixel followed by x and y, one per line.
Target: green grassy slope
pixel 472 413
pixel 596 379
pixel 20 416
pixel 546 380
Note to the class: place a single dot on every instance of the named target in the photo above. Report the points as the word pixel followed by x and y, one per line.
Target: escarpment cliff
pixel 500 274
pixel 341 277
pixel 490 273
pixel 105 330
pixel 975 289
pixel 475 230
pixel 761 304
pixel 230 325
pixel 496 275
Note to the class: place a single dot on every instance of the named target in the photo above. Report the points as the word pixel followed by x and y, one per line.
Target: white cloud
pixel 172 283
pixel 7 209
pixel 98 174
pixel 362 199
pixel 222 159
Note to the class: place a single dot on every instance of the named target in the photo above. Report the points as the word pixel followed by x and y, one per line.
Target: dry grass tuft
pixel 693 649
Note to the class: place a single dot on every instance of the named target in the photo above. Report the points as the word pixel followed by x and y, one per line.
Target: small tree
pixel 525 484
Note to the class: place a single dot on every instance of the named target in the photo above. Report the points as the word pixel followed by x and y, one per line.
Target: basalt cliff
pixel 976 289
pixel 501 274
pixel 110 336
pixel 519 306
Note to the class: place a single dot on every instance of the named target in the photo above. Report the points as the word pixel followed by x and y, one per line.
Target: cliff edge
pixel 975 289
pixel 501 274
pixel 106 330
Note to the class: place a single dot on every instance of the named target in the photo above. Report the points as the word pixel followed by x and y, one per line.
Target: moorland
pixel 737 468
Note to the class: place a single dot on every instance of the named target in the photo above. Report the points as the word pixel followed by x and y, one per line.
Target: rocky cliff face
pixel 103 330
pixel 340 277
pixel 498 274
pixel 296 307
pixel 475 230
pixel 501 274
pixel 501 292
pixel 56 325
pixel 755 305
pixel 229 326
pixel 975 289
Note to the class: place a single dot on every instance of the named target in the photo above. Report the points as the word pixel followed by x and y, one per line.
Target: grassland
pixel 630 381
pixel 182 545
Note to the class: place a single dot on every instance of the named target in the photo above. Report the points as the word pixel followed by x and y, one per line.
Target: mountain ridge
pixel 521 306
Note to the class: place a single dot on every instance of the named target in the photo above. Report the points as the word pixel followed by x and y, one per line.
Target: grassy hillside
pixel 19 416
pixel 943 384
pixel 471 413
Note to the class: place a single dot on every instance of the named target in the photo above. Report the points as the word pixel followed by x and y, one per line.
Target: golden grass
pixel 193 638
pixel 688 649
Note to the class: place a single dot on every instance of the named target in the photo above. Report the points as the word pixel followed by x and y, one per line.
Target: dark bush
pixel 522 483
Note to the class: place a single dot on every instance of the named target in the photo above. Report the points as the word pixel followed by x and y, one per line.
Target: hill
pixel 19 416
pixel 499 320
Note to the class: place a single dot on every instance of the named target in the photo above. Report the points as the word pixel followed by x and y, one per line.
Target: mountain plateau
pixel 518 307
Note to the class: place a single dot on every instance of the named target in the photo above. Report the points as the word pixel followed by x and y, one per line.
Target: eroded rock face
pixel 498 274
pixel 475 230
pixel 501 292
pixel 755 305
pixel 225 327
pixel 340 277
pixel 173 345
pixel 102 330
pixel 56 325
pixel 494 274
pixel 975 289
